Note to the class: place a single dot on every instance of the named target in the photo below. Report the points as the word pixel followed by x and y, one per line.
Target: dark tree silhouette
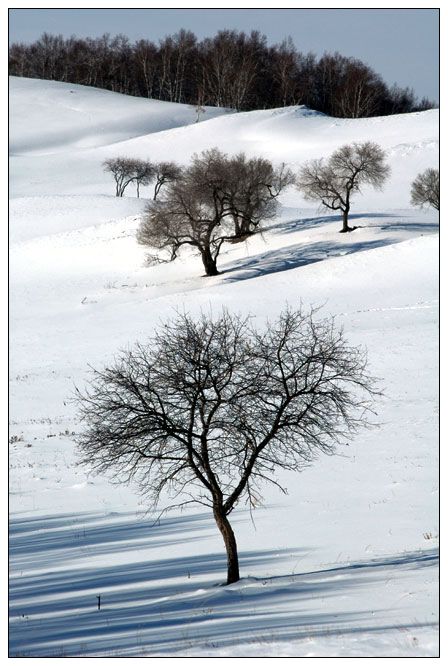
pixel 231 69
pixel 335 181
pixel 211 408
pixel 216 199
pixel 144 173
pixel 127 170
pixel 425 189
pixel 164 172
pixel 253 187
pixel 185 216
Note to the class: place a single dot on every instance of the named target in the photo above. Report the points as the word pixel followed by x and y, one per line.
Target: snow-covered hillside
pixel 346 563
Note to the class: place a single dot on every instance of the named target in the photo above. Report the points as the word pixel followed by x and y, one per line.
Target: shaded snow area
pixel 346 564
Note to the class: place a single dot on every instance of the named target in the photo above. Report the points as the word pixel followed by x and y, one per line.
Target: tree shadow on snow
pixel 295 256
pixel 37 540
pixel 417 227
pixel 303 254
pixel 170 604
pixel 303 223
pixel 393 222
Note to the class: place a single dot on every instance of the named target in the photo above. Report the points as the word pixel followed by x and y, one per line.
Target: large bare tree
pixel 216 199
pixel 425 189
pixel 190 213
pixel 334 182
pixel 210 409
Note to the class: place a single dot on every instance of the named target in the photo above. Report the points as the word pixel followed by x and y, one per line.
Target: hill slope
pixel 345 564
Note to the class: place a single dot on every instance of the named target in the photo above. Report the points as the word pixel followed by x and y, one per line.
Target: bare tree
pixel 145 64
pixel 285 71
pixel 119 167
pixel 199 110
pixel 123 171
pixel 126 170
pixel 248 188
pixel 210 409
pixel 425 189
pixel 333 182
pixel 217 199
pixel 253 187
pixel 144 172
pixel 164 172
pixel 192 212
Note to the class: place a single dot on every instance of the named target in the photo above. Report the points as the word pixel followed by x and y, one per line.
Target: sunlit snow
pixel 346 563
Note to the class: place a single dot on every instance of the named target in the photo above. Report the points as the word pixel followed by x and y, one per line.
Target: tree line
pixel 231 69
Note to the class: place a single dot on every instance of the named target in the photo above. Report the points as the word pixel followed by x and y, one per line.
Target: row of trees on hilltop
pixel 220 198
pixel 231 69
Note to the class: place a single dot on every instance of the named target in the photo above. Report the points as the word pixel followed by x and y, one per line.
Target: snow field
pixel 345 564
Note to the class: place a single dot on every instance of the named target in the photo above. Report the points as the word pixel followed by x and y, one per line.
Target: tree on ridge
pixel 333 182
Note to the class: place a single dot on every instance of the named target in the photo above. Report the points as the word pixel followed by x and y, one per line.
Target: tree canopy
pixel 425 189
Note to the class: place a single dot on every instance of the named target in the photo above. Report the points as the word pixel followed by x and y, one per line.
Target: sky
pixel 400 44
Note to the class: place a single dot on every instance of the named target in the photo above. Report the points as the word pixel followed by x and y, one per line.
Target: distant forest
pixel 231 69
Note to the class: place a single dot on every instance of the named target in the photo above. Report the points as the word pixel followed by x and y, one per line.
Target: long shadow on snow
pixel 165 605
pixel 44 539
pixel 302 223
pixel 295 256
pixel 428 227
pixel 301 254
pixel 398 222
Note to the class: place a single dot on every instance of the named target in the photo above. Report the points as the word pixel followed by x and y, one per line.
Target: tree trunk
pixel 157 187
pixel 209 262
pixel 243 228
pixel 236 221
pixel 345 226
pixel 233 571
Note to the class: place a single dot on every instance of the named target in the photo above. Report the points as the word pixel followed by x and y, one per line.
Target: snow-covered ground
pixel 346 563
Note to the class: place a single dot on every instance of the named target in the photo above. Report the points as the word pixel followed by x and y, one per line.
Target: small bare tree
pixel 199 110
pixel 425 189
pixel 126 170
pixel 164 172
pixel 253 187
pixel 211 408
pixel 333 182
pixel 144 172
